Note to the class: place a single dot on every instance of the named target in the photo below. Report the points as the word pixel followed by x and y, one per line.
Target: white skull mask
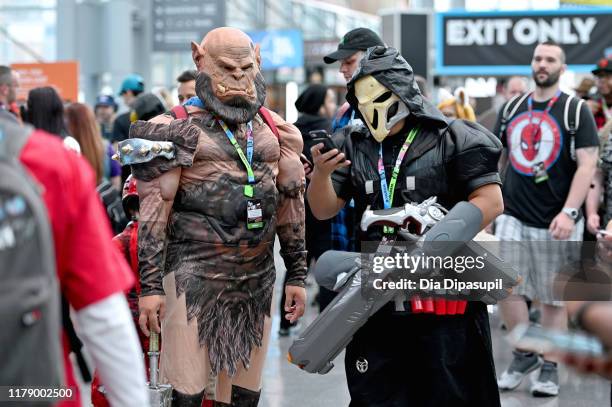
pixel 380 107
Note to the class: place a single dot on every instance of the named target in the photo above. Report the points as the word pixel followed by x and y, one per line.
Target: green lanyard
pixel 248 189
pixel 389 192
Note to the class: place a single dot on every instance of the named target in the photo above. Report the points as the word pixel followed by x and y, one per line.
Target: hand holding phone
pixel 326 156
pixel 321 136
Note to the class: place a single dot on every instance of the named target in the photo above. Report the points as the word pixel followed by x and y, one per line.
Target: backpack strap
pixel 571 122
pixel 179 112
pixel 267 118
pixel 74 342
pixel 509 110
pixel 12 139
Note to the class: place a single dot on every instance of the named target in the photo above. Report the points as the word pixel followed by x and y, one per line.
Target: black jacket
pixel 449 161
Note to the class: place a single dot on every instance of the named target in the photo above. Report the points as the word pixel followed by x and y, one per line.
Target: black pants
pixel 423 361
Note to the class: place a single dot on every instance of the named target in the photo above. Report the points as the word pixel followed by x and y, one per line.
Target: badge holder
pixel 539 173
pixel 254 211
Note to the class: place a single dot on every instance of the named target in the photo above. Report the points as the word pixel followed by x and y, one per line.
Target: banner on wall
pixel 502 43
pixel 63 76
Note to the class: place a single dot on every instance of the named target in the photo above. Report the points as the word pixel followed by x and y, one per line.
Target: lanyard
pixel 388 192
pixel 248 189
pixel 549 106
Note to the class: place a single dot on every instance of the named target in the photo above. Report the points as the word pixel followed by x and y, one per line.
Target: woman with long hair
pixel 45 110
pixel 83 127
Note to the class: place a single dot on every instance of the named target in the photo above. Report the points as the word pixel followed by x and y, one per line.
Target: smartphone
pixel 540 340
pixel 321 136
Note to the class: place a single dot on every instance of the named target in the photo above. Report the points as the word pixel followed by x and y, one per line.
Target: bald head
pixel 229 70
pixel 222 38
pixel 516 85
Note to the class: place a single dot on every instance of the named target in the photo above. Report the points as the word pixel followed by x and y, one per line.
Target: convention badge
pixel 539 173
pixel 254 214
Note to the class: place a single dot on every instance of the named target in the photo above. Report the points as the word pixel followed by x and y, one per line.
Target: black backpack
pixel 111 199
pixel 30 309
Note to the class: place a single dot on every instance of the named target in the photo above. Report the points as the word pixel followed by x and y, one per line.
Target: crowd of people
pixel 196 193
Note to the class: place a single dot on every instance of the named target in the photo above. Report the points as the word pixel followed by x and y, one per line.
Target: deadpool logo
pixel 530 144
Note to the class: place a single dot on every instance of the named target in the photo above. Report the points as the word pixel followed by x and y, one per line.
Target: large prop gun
pixel 424 223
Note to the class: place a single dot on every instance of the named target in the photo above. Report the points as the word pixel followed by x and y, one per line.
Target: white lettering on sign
pixel 526 31
pixel 584 28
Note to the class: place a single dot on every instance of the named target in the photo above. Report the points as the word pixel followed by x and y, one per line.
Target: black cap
pixel 355 40
pixel 604 65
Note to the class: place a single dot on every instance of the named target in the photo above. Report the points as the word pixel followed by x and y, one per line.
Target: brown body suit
pixel 194 244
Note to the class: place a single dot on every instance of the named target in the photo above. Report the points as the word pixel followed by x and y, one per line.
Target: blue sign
pixel 279 48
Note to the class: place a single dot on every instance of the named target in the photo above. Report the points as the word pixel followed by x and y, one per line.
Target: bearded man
pixel 215 187
pixel 548 176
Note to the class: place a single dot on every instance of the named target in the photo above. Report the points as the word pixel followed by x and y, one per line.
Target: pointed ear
pixel 258 55
pixel 197 52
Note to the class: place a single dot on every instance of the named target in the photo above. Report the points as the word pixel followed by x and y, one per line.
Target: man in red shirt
pixel 92 274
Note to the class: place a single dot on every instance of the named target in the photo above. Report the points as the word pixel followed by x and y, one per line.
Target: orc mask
pixel 381 109
pixel 229 80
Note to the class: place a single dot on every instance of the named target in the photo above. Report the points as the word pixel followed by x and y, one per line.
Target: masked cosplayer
pixel 215 187
pixel 408 152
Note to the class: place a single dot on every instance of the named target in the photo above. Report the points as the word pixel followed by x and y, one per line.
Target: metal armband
pixel 138 151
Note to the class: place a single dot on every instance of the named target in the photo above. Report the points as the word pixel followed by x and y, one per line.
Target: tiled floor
pixel 285 385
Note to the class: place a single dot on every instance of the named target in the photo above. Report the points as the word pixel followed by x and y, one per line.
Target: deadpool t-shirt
pixel 537 203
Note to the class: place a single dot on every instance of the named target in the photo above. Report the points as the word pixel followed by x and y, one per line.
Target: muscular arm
pixel 488 198
pixel 156 199
pixel 290 212
pixel 586 159
pixel 324 203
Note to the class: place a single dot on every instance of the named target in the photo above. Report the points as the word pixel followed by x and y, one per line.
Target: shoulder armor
pixel 138 150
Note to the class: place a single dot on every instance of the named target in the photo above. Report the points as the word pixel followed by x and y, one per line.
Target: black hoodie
pixel 388 67
pixel 447 160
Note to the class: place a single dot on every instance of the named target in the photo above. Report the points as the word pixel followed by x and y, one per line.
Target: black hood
pixel 389 68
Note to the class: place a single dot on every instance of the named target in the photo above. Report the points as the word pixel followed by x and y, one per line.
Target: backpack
pixel 111 199
pixel 571 122
pixel 30 310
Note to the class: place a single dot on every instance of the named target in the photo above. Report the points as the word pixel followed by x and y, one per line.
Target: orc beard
pixel 238 109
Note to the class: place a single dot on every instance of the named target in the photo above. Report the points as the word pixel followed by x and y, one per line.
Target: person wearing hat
pixel 602 182
pixel 316 105
pixel 603 81
pixel 351 50
pixel 131 87
pixel 105 109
